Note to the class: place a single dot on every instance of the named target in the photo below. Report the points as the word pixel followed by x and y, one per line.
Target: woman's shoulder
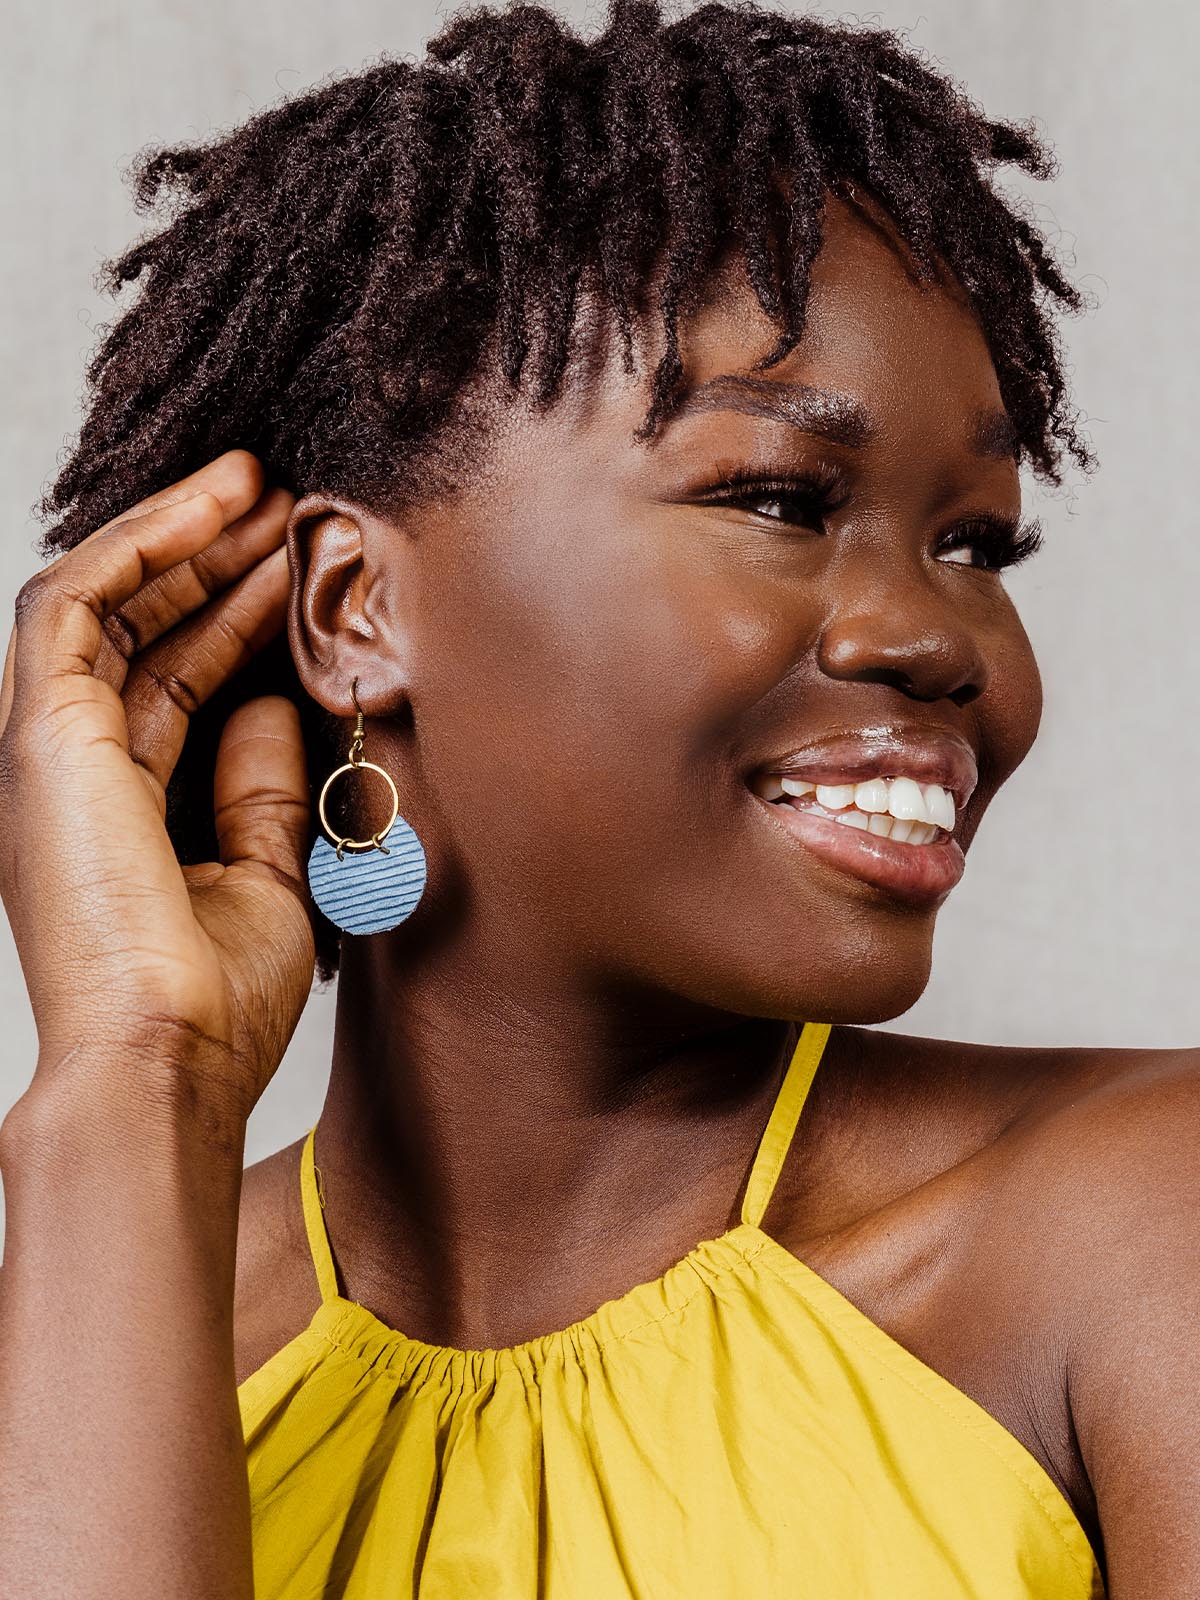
pixel 1074 1116
pixel 1103 1160
pixel 1093 1125
pixel 1056 1178
pixel 1098 1195
pixel 1025 1220
pixel 1091 1144
pixel 903 1119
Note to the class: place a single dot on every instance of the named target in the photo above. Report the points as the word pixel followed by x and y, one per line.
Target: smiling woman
pixel 626 433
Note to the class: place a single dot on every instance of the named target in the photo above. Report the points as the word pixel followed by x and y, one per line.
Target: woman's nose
pixel 904 633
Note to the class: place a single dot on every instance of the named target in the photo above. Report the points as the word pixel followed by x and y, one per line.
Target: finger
pixel 168 682
pixel 61 610
pixel 162 604
pixel 260 791
pixel 235 477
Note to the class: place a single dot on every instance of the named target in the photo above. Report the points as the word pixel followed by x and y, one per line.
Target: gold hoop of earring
pixel 355 762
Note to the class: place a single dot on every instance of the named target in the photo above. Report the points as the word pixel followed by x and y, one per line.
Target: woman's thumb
pixel 260 791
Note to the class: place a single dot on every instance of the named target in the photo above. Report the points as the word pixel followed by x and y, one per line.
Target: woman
pixel 629 431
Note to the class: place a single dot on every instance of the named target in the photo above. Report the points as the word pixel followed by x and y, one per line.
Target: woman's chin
pixel 873 1004
pixel 865 996
pixel 863 980
pixel 861 968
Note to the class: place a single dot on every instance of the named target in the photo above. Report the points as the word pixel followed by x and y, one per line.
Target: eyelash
pixel 819 490
pixel 1002 541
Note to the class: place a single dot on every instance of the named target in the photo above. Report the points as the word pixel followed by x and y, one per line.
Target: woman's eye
pixel 803 502
pixel 991 543
pixel 785 508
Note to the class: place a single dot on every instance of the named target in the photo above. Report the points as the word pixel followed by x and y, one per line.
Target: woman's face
pixel 608 650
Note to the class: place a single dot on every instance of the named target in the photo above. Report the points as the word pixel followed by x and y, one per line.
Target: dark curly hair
pixel 327 276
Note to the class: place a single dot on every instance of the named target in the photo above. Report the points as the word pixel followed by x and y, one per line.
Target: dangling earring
pixel 378 882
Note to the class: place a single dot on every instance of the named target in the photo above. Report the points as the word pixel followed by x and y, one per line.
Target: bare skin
pixel 571 667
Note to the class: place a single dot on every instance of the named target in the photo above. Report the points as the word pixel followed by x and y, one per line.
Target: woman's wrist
pixel 89 1160
pixel 146 1108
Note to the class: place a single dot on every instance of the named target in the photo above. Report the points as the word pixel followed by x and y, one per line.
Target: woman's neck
pixel 476 1141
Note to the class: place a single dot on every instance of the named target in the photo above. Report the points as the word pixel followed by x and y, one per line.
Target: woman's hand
pixel 202 969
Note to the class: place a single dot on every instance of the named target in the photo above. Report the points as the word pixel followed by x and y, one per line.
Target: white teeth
pixel 939 807
pixel 906 801
pixel 835 796
pixel 872 795
pixel 891 808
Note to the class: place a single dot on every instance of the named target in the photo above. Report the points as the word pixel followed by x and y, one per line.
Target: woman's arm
pixel 1126 1204
pixel 122 1466
pixel 164 997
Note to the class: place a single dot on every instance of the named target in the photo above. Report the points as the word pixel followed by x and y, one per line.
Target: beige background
pixel 1076 921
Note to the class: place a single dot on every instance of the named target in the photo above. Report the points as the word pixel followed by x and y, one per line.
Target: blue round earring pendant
pixel 367 885
pixel 369 892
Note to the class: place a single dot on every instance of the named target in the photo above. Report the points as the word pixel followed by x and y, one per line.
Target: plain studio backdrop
pixel 1075 923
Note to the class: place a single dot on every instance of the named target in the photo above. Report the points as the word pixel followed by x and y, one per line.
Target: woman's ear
pixel 342 622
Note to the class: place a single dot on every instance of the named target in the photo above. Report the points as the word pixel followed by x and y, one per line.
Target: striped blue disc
pixel 366 891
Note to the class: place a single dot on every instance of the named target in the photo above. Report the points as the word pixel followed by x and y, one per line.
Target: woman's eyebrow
pixel 993 435
pixel 829 415
pixel 835 417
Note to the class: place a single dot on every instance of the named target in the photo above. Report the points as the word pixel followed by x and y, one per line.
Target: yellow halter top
pixel 737 1428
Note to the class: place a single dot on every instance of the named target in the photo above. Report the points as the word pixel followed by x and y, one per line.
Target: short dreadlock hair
pixel 326 276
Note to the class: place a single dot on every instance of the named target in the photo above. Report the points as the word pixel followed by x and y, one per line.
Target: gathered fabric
pixel 737 1427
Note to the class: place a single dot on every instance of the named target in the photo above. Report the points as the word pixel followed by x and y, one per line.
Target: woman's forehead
pixel 875 337
pixel 882 352
pixel 863 277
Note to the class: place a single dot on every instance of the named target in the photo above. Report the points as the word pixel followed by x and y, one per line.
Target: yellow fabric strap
pixel 314 1205
pixel 785 1113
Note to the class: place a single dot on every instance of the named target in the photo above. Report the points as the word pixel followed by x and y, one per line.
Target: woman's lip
pixel 922 874
pixel 941 758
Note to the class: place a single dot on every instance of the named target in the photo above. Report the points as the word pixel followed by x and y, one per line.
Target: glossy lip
pixel 884 752
pixel 922 874
pixel 917 874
